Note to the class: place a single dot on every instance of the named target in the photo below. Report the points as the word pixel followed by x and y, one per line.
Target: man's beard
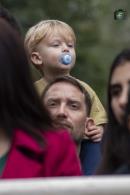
pixel 68 126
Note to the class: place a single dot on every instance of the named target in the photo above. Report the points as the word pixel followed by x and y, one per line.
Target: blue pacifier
pixel 66 58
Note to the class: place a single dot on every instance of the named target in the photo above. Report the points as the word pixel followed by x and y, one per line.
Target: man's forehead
pixel 65 88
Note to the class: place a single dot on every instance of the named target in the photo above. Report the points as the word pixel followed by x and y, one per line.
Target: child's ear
pixel 89 122
pixel 36 59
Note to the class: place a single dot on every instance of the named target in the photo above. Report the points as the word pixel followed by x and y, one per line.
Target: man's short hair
pixel 74 82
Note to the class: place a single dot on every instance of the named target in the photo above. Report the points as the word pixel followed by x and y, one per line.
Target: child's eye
pixel 55 44
pixel 70 45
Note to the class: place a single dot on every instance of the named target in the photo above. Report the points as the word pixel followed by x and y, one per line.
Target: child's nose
pixel 65 48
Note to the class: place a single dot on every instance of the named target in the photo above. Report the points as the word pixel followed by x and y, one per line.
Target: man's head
pixel 69 105
pixel 47 41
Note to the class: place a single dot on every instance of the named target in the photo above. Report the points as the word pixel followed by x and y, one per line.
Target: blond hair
pixel 43 29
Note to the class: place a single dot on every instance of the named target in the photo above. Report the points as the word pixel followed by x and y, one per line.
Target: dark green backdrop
pixel 99 36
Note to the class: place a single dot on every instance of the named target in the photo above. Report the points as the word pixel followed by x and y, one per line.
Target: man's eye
pixel 74 106
pixel 51 104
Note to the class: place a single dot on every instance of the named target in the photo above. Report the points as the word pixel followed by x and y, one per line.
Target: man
pixel 69 106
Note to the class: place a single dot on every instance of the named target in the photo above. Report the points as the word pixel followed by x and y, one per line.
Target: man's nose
pixel 62 111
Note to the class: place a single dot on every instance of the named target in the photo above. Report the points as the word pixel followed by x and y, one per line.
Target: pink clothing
pixel 27 159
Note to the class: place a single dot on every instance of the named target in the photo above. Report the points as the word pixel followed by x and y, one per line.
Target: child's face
pixel 50 50
pixel 119 90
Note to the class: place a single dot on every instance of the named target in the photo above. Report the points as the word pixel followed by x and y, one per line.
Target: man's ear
pixel 89 122
pixel 36 59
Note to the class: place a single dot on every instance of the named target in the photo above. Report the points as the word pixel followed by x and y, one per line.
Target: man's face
pixel 66 104
pixel 119 90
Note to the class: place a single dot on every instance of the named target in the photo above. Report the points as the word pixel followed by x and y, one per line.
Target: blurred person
pixel 124 163
pixel 69 105
pixel 10 19
pixel 29 145
pixel 116 145
pixel 50 46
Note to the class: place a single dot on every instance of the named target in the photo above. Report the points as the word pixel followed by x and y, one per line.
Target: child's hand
pixel 95 133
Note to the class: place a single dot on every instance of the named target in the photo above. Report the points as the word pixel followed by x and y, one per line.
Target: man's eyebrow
pixel 49 99
pixel 74 100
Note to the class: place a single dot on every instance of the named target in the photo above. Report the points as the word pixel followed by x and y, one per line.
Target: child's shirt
pixel 97 112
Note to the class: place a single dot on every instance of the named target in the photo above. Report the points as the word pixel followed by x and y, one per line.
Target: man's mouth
pixel 63 125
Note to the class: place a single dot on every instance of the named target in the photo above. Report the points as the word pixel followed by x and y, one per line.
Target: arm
pixel 95 133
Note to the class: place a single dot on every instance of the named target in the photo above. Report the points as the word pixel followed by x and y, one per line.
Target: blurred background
pixel 100 36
